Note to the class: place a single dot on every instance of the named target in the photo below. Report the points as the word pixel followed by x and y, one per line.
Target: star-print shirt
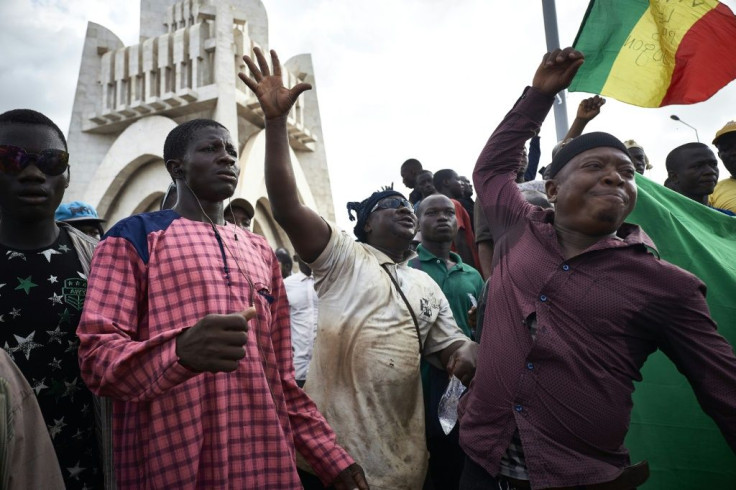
pixel 41 296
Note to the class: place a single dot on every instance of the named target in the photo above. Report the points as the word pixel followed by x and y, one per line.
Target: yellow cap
pixel 730 127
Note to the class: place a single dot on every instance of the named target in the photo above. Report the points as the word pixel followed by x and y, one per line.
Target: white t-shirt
pixel 364 374
pixel 303 306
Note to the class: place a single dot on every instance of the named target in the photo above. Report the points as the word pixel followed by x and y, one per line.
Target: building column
pixel 225 78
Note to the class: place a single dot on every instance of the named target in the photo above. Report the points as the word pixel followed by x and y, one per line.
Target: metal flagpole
pixel 553 42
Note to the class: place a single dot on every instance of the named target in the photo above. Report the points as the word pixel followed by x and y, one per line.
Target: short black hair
pixel 673 160
pixel 419 211
pixel 423 172
pixel 29 116
pixel 283 255
pixel 442 175
pixel 412 162
pixel 178 139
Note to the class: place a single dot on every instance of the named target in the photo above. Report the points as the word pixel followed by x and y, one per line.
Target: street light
pixel 676 118
pixel 553 42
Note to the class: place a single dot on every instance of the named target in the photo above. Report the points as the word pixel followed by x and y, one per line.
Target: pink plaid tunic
pixel 153 276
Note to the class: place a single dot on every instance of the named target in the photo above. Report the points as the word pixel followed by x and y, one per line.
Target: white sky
pixel 428 79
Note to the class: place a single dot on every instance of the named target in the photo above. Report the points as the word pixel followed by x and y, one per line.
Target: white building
pixel 129 97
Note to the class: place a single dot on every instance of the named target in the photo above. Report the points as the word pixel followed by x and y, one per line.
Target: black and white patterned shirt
pixel 41 297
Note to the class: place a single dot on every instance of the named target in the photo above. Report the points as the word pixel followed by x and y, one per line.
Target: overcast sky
pixel 428 79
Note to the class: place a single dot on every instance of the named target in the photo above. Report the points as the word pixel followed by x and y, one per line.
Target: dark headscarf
pixel 363 210
pixel 580 144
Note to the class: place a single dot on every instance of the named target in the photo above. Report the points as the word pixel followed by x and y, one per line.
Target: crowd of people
pixel 178 350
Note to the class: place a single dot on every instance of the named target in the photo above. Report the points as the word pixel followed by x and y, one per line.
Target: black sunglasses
pixel 393 203
pixel 13 160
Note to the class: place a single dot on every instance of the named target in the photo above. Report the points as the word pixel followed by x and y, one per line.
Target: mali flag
pixel 658 52
pixel 684 447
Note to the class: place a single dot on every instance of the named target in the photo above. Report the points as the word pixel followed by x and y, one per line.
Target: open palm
pixel 275 99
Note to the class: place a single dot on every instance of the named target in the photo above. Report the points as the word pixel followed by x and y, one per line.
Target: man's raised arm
pixel 495 172
pixel 308 232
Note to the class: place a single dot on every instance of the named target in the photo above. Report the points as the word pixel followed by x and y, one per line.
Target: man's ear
pixel 672 176
pixel 551 188
pixel 367 228
pixel 174 168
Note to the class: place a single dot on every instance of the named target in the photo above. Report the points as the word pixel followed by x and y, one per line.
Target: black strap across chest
pixel 408 305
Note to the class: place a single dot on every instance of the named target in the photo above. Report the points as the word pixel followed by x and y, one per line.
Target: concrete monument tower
pixel 129 97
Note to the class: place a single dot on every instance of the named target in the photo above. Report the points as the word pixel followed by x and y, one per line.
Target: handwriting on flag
pixel 660 38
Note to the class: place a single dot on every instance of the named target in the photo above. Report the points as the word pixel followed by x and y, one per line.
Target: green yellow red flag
pixel 684 447
pixel 657 52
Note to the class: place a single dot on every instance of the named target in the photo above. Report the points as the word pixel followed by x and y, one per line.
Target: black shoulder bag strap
pixel 406 302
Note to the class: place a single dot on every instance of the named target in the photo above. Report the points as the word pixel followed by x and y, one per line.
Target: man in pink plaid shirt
pixel 186 328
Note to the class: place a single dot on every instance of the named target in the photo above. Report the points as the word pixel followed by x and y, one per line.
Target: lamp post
pixel 676 118
pixel 549 13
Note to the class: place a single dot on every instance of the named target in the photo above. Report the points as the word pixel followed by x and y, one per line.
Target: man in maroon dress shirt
pixel 577 301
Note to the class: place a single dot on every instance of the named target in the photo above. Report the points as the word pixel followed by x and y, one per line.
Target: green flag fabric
pixel 683 445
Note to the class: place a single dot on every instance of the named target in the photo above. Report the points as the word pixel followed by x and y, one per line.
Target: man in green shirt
pixel 462 285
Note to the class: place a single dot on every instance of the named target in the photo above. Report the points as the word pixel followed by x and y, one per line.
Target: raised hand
pixel 215 343
pixel 589 108
pixel 275 99
pixel 557 70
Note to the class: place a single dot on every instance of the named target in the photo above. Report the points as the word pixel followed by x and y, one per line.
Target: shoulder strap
pixel 406 301
pixel 83 245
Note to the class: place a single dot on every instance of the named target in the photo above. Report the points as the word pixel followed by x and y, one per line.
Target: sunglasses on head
pixel 13 160
pixel 393 203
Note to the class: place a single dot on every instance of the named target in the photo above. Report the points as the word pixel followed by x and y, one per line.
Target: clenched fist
pixel 216 343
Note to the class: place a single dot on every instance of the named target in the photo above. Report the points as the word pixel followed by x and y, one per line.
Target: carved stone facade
pixel 129 97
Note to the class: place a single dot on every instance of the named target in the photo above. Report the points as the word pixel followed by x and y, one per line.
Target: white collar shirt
pixel 303 305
